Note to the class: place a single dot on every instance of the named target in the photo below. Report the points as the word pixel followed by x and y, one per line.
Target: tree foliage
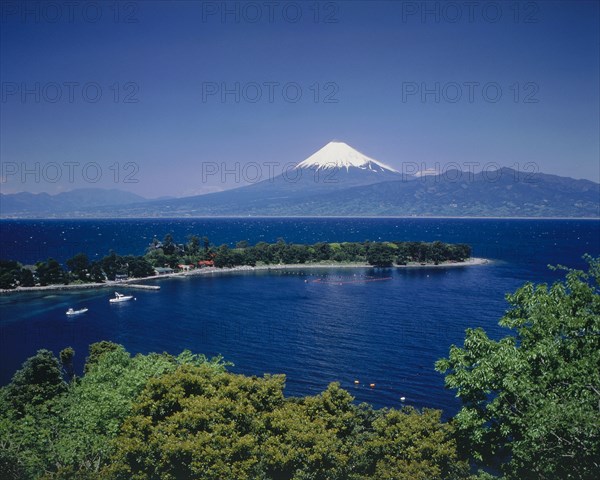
pixel 68 432
pixel 186 417
pixel 381 254
pixel 50 273
pixel 200 423
pixel 96 350
pixel 408 445
pixel 79 265
pixel 26 410
pixel 39 380
pixel 533 398
pixel 13 274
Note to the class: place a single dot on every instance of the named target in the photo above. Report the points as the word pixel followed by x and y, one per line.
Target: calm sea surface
pixel 386 327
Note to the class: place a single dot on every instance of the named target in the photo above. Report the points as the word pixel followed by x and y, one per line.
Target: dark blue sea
pixel 315 326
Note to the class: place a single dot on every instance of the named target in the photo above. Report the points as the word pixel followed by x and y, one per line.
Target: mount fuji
pixel 334 168
pixel 340 155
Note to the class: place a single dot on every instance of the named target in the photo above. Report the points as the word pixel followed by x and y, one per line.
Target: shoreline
pixel 268 217
pixel 473 261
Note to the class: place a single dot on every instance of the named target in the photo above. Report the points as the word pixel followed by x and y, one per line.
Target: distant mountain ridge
pixel 501 193
pixel 34 204
pixel 338 180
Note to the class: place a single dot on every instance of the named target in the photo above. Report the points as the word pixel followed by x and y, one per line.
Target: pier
pixel 142 287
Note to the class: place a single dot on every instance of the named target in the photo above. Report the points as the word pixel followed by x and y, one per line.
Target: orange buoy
pixel 372 385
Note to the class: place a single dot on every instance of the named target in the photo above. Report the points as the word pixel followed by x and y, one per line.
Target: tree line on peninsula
pixel 529 411
pixel 168 253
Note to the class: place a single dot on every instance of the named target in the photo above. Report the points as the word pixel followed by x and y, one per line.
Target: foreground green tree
pixel 66 359
pixel 200 423
pixel 414 446
pixel 49 429
pixel 196 423
pixel 185 417
pixel 40 379
pixel 532 399
pixel 26 407
pixel 94 408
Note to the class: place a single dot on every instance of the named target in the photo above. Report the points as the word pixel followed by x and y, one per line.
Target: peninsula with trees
pixel 168 256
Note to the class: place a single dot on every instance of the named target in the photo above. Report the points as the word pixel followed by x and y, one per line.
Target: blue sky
pixel 165 98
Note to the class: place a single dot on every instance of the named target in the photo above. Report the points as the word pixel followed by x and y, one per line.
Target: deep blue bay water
pixel 339 328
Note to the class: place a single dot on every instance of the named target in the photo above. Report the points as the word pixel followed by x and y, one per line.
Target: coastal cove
pixel 317 324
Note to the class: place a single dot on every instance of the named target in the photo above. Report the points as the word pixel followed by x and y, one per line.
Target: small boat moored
pixel 72 311
pixel 120 298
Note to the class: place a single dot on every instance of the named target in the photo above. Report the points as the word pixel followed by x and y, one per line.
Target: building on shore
pixel 163 270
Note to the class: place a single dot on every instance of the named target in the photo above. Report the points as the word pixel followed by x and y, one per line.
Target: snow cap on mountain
pixel 342 155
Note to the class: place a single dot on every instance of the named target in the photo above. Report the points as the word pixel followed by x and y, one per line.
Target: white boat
pixel 120 298
pixel 72 311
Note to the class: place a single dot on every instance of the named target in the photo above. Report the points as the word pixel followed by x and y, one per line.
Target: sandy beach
pixel 242 268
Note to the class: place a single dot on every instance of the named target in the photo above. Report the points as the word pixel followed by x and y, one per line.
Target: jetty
pixel 142 287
